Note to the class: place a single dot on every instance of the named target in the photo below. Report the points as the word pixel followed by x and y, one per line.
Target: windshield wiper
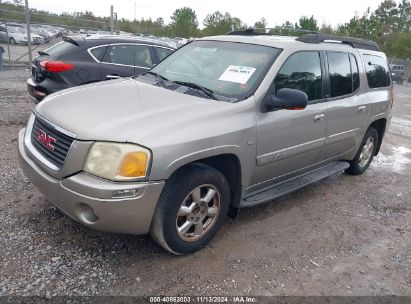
pixel 160 78
pixel 205 90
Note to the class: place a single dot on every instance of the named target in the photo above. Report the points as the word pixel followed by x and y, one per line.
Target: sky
pixel 276 12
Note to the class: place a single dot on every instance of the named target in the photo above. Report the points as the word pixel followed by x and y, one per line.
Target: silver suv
pixel 223 123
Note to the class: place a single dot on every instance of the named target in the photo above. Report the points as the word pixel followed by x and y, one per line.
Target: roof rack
pixel 266 31
pixel 311 37
pixel 354 42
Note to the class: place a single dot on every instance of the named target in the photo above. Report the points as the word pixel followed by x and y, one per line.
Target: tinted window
pixel 133 55
pixel 163 53
pixel 340 74
pixel 302 71
pixel 355 73
pixel 98 53
pixel 378 74
pixel 60 48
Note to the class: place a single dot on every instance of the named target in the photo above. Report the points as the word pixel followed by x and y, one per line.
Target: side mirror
pixel 289 99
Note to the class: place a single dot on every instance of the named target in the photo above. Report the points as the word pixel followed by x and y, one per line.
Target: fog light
pixel 124 193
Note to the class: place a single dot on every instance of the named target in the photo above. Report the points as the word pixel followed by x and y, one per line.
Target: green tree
pixel 261 24
pixel 184 23
pixel 217 23
pixel 307 23
pixel 398 45
pixel 327 29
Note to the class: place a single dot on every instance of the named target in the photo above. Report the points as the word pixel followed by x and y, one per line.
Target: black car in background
pixel 81 60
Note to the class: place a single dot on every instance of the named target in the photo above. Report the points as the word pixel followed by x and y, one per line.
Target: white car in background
pixel 17 35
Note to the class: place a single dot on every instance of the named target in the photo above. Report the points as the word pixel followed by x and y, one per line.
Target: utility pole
pixel 28 32
pixel 111 19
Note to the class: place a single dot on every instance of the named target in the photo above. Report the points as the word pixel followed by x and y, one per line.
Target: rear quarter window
pixel 98 52
pixel 163 53
pixel 378 73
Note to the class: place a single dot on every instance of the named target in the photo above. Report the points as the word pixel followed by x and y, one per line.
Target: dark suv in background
pixel 81 60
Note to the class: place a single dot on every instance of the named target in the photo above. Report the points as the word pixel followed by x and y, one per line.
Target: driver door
pixel 290 141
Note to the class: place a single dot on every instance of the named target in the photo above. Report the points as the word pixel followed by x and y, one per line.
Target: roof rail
pixel 266 31
pixel 354 42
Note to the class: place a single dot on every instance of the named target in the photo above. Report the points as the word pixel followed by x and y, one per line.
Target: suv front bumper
pixel 88 199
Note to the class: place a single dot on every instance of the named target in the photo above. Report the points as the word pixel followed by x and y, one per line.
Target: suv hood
pixel 128 110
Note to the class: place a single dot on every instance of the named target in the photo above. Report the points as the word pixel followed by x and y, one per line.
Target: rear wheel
pixel 365 154
pixel 191 209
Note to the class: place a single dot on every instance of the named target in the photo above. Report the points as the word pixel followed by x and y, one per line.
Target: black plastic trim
pixel 354 42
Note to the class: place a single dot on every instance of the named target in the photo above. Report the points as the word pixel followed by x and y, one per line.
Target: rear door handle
pixel 319 117
pixel 112 76
pixel 361 109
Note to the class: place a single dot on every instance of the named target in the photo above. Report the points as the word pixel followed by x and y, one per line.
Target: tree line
pixel 389 25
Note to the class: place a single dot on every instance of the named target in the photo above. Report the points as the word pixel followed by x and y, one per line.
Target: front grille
pixel 59 146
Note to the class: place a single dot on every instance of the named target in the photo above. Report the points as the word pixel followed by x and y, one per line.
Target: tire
pixel 12 41
pixel 359 165
pixel 178 193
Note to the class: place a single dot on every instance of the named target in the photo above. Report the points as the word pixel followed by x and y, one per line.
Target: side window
pixel 355 73
pixel 340 74
pixel 163 53
pixel 2 28
pixel 98 53
pixel 378 74
pixel 301 71
pixel 143 56
pixel 128 54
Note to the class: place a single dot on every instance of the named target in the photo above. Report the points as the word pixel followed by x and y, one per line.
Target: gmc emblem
pixel 46 139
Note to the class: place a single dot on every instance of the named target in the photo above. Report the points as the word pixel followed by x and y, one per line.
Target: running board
pixel 286 187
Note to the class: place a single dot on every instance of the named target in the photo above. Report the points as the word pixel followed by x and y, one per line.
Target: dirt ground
pixel 343 236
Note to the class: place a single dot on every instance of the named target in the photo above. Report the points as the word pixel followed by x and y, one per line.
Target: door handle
pixel 361 109
pixel 319 117
pixel 112 77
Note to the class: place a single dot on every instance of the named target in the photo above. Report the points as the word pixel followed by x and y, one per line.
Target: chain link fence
pixel 23 34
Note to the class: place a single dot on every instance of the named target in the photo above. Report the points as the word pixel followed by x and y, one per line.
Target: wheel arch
pixel 379 125
pixel 230 166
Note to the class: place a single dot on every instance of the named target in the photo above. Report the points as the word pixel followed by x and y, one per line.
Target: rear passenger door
pixel 124 60
pixel 347 105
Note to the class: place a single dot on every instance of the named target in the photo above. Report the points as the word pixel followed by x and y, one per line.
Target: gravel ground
pixel 343 236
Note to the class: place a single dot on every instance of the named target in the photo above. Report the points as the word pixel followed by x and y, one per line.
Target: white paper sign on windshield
pixel 238 74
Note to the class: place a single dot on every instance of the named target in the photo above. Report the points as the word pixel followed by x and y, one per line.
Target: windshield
pixel 229 69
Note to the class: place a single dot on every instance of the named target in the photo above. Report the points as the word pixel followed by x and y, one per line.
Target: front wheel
pixel 365 154
pixel 191 209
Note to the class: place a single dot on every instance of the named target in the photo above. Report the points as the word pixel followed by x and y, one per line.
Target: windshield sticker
pixel 238 74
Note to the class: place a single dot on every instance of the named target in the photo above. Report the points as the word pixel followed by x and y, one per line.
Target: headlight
pixel 118 162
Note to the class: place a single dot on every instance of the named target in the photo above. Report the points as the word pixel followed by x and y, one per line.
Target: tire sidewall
pixel 187 182
pixel 357 169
